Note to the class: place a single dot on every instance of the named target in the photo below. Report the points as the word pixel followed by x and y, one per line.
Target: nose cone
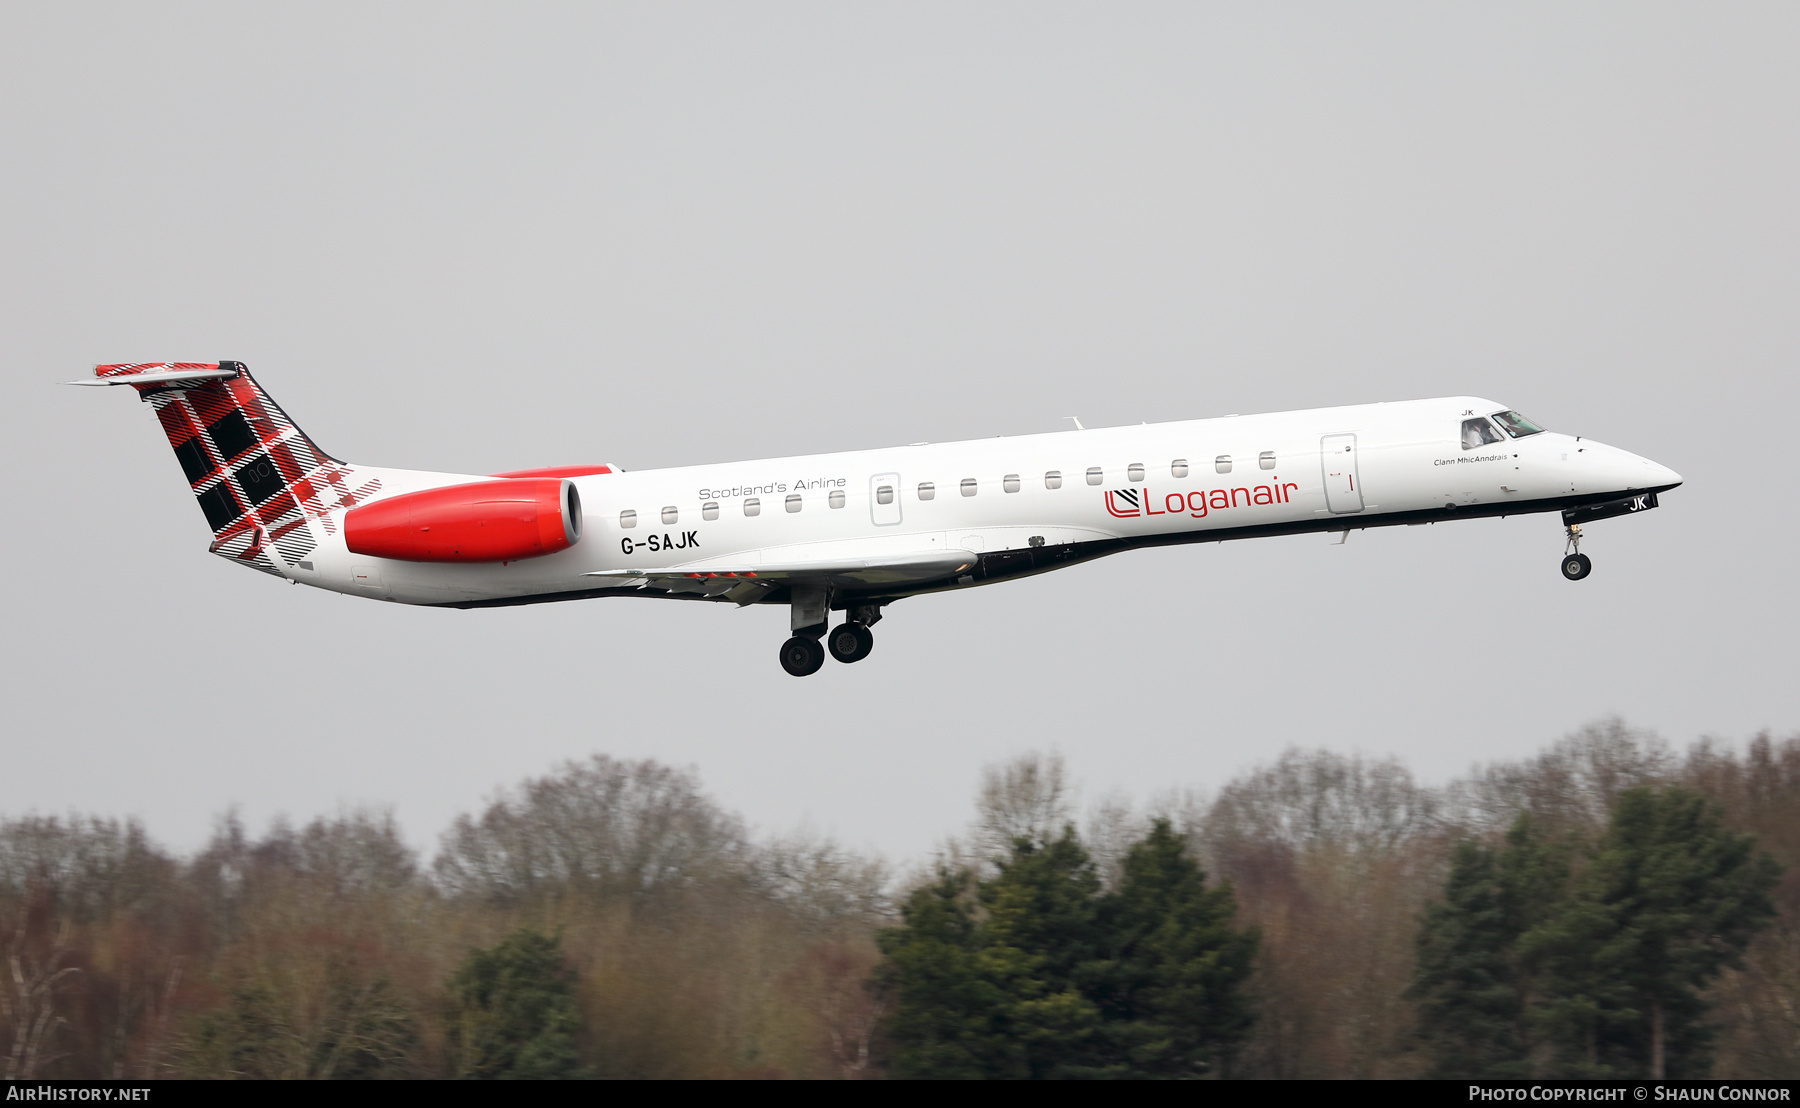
pixel 1622 471
pixel 1636 472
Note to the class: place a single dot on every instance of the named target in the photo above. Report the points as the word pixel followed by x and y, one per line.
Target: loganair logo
pixel 1136 503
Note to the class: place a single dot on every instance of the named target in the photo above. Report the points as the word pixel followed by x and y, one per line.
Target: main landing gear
pixel 803 654
pixel 1575 564
pixel 851 642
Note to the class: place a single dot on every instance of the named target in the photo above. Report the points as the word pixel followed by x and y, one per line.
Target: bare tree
pixel 357 852
pixel 1113 825
pixel 1329 855
pixel 823 883
pixel 849 1011
pixel 1571 786
pixel 1318 798
pixel 1027 797
pixel 96 866
pixel 599 827
pixel 34 980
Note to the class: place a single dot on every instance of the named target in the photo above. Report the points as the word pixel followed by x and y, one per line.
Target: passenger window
pixel 927 490
pixel 1222 463
pixel 1266 459
pixel 753 507
pixel 1053 479
pixel 1178 467
pixel 628 518
pixel 1095 475
pixel 793 502
pixel 968 486
pixel 670 515
pixel 836 499
pixel 709 510
pixel 884 494
pixel 1135 471
pixel 1010 482
pixel 1477 433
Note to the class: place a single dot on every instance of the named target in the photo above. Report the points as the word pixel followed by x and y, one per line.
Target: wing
pixel 746 583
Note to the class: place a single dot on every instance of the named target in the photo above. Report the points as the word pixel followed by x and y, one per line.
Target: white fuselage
pixel 1195 480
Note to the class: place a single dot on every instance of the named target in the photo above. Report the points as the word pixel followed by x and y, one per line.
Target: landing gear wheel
pixel 850 642
pixel 802 656
pixel 1577 566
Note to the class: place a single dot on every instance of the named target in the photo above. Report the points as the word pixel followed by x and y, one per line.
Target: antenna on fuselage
pixel 1078 425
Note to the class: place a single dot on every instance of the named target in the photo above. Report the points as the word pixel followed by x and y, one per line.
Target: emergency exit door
pixel 884 499
pixel 1343 489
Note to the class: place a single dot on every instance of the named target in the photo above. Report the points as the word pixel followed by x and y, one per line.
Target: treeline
pixel 1339 860
pixel 1605 907
pixel 332 951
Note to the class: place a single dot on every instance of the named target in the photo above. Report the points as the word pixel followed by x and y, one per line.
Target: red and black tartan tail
pixel 266 490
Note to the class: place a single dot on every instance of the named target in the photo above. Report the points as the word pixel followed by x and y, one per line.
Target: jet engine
pixel 488 521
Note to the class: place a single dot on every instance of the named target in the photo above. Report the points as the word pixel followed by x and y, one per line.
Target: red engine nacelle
pixel 489 521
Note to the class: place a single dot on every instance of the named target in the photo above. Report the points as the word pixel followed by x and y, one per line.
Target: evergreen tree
pixel 513 1011
pixel 1040 940
pixel 1169 988
pixel 945 1020
pixel 1474 984
pixel 1668 900
pixel 1035 974
pixel 1468 1003
pixel 1583 1008
pixel 995 998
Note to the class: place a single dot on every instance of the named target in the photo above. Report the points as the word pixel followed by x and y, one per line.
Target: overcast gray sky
pixel 484 237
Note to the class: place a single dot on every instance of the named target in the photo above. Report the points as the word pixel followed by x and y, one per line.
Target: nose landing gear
pixel 1575 564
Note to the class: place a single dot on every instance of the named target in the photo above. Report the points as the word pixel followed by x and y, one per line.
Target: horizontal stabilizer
pixel 162 377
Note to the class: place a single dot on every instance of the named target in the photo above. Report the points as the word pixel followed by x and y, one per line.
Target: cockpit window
pixel 1478 433
pixel 1515 424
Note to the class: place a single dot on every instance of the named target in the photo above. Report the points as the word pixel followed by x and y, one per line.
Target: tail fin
pixel 265 488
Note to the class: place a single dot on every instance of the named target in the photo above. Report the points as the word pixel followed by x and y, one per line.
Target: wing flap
pixel 891 570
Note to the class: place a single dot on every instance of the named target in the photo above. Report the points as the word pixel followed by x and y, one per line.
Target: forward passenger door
pixel 1337 457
